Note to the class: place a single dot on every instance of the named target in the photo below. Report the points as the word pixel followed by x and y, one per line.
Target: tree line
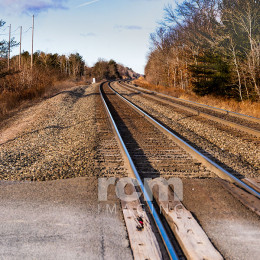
pixel 61 65
pixel 209 46
pixel 22 81
pixel 109 70
pixel 48 68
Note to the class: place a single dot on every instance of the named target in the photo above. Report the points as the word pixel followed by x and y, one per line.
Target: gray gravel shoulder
pixel 52 138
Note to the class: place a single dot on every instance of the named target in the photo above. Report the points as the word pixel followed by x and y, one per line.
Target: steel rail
pixel 224 111
pixel 170 249
pixel 199 113
pixel 221 172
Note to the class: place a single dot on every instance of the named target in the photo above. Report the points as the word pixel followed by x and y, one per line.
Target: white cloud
pixel 29 6
pixel 88 34
pixel 88 3
pixel 127 27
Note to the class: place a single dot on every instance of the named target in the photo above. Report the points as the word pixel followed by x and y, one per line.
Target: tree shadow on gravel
pixel 132 94
pixel 72 98
pixel 75 94
pixel 55 127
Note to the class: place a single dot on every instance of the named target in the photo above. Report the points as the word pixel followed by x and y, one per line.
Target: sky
pixel 109 29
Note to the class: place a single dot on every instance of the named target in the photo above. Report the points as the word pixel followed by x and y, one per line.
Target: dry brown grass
pixel 245 107
pixel 21 88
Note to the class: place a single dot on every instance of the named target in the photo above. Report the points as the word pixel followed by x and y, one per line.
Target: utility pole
pixel 32 42
pixel 9 47
pixel 21 30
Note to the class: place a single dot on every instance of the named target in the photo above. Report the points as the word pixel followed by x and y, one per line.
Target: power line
pixel 15 29
pixel 27 30
pixel 13 33
pixel 5 28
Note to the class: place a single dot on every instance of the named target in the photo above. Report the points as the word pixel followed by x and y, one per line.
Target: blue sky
pixel 117 29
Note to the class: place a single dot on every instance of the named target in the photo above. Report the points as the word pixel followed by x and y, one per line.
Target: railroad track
pixel 211 164
pixel 234 150
pixel 248 124
pixel 153 151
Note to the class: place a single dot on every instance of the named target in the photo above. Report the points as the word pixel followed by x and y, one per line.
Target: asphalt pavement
pixel 60 219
